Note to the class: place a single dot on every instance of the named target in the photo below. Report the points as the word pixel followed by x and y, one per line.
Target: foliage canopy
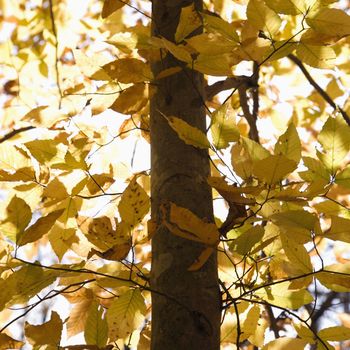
pixel 75 212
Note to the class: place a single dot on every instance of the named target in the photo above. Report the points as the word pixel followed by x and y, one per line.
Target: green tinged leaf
pixel 287 7
pixel 338 281
pixel 335 140
pixel 273 168
pixel 316 56
pixel 23 284
pixel 296 254
pixel 289 144
pixel 263 18
pixel 330 21
pixel 280 295
pixel 96 328
pixel 223 128
pixel 343 177
pixel 246 241
pixel 338 333
pixel 297 224
pixel 125 314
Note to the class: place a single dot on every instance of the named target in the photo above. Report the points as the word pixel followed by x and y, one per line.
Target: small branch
pixel 15 132
pixel 227 84
pixel 253 132
pixel 54 31
pixel 255 91
pixel 318 88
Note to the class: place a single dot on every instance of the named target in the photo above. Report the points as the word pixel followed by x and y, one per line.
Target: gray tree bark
pixel 185 305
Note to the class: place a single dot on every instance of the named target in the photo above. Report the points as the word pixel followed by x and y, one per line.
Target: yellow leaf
pixel 338 333
pixel 217 65
pixel 335 140
pixel 48 333
pixel 17 219
pixel 134 204
pixel 232 193
pixel 333 89
pixel 289 145
pixel 273 168
pixel 330 21
pixel 13 158
pixel 263 18
pixel 96 329
pixel 128 70
pixel 316 56
pixel 23 284
pixel 116 253
pixel 300 222
pixel 62 239
pixel 178 51
pixel 131 100
pixel 184 223
pixel 211 44
pixel 243 154
pixel 316 170
pixel 217 24
pixel 168 71
pixel 55 189
pixel 189 21
pixel 110 6
pixel 296 254
pixel 21 174
pixel 91 66
pixel 288 7
pixel 304 332
pixel 223 128
pixel 98 182
pixel 104 97
pixel 126 314
pixel 202 259
pixel 286 344
pixel 280 295
pixel 187 133
pixel 42 150
pixel 39 228
pixel 6 342
pixel 98 231
pixel 45 116
pixel 337 282
pixel 82 300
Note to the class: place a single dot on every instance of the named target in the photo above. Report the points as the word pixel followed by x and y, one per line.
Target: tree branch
pixel 318 88
pixel 227 84
pixel 15 132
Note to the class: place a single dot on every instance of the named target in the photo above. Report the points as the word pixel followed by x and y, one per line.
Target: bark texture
pixel 186 305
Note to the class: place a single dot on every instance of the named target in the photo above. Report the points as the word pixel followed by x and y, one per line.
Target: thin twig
pixel 318 88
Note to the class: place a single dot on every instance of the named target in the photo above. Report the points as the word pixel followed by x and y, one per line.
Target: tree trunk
pixel 185 305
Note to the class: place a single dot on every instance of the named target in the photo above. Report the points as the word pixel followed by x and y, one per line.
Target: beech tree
pixel 236 236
